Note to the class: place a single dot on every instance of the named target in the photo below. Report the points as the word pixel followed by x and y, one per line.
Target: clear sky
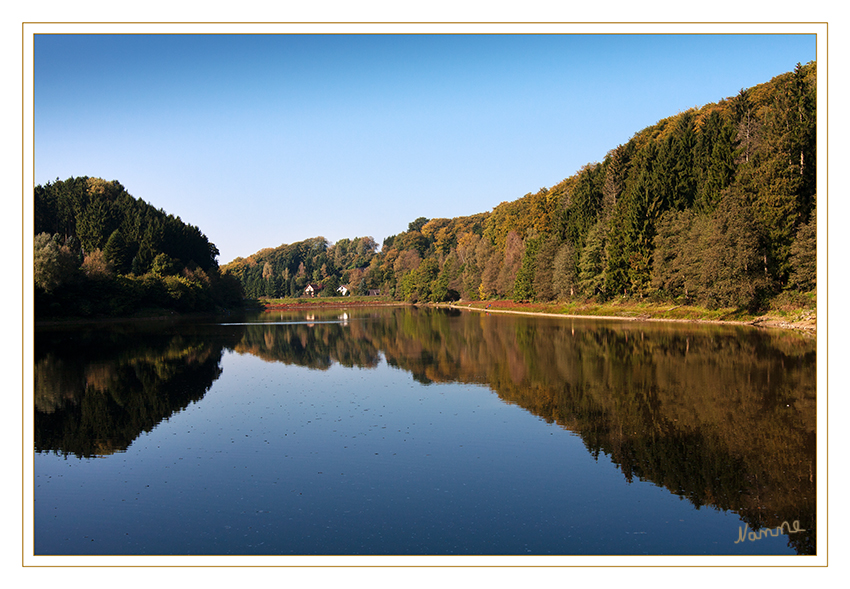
pixel 261 140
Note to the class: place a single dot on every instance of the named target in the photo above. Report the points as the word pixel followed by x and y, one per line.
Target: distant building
pixel 373 293
pixel 312 290
pixel 343 290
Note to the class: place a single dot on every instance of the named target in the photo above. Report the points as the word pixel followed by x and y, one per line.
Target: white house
pixel 343 290
pixel 312 289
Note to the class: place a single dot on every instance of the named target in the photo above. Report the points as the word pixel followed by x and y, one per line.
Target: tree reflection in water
pixel 722 416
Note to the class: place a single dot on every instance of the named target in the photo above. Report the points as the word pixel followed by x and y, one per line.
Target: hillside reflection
pixel 97 391
pixel 723 417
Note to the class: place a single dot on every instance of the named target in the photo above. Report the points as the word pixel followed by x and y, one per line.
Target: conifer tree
pixel 544 268
pixel 804 261
pixel 524 284
pixel 565 272
pixel 118 252
pixel 591 277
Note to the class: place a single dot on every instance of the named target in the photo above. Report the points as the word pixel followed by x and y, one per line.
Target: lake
pixel 421 431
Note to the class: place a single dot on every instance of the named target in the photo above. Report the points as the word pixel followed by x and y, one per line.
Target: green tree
pixel 643 205
pixel 163 265
pixel 524 283
pixel 448 282
pixel 118 252
pixel 616 254
pixel 330 287
pixel 674 258
pixel 730 268
pixel 54 264
pixel 585 203
pixel 804 262
pixel 545 268
pixel 591 278
pixel 748 125
pixel 780 176
pixel 95 224
pixel 514 250
pixel 417 225
pixel 491 260
pixel 716 155
pixel 565 272
pixel 616 170
pixel 677 163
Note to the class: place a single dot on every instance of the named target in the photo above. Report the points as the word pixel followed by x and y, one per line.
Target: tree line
pixel 98 250
pixel 713 206
pixel 285 271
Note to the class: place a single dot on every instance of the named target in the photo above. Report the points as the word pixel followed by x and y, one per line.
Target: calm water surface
pixel 421 431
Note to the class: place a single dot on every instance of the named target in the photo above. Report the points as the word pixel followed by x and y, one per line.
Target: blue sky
pixel 261 140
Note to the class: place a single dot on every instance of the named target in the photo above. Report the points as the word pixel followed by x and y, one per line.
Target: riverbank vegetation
pixel 98 251
pixel 799 314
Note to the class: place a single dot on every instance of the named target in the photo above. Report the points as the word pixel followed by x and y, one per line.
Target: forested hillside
pixel 713 206
pixel 287 270
pixel 100 251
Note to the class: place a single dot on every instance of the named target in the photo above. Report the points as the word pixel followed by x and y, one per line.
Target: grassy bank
pixel 792 311
pixel 788 313
pixel 273 304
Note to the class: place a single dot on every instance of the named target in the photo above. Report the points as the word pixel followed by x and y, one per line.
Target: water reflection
pixel 97 390
pixel 723 417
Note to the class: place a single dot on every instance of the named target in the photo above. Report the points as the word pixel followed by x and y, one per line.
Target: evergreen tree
pixel 747 124
pixel 544 268
pixel 616 253
pixel 642 206
pixel 804 262
pixel 565 272
pixel 715 160
pixel 616 172
pixel 730 270
pixel 585 203
pixel 118 253
pixel 675 257
pixel 682 171
pixel 95 224
pixel 591 279
pixel 524 283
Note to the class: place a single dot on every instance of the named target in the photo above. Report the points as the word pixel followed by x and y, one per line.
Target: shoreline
pixel 165 315
pixel 761 322
pixel 330 304
pixel 767 321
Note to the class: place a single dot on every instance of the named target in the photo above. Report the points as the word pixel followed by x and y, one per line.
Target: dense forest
pixel 98 250
pixel 713 206
pixel 287 270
